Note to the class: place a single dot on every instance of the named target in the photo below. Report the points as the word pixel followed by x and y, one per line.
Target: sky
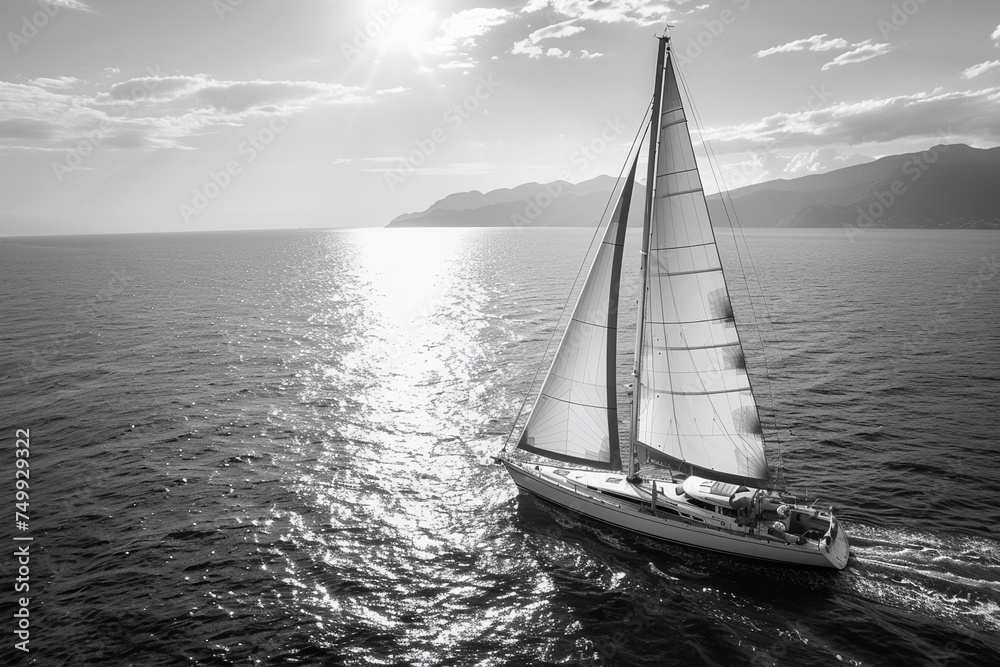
pixel 193 115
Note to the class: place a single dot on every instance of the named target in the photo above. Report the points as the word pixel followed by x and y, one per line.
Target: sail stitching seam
pixel 680 247
pixel 582 405
pixel 700 347
pixel 693 271
pixel 714 319
pixel 682 192
pixel 704 393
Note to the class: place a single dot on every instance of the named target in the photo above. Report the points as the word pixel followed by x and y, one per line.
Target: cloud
pixel 36 102
pixel 460 28
pixel 526 48
pixel 981 68
pixel 821 160
pixel 239 96
pixel 58 83
pixel 150 111
pixel 232 96
pixel 759 166
pixel 530 47
pixel 67 4
pixel 26 128
pixel 996 35
pixel 556 31
pixel 35 117
pixel 641 12
pixel 860 52
pixel 156 88
pixel 814 43
pixel 972 113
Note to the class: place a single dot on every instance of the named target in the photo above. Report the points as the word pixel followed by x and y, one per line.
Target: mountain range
pixel 946 186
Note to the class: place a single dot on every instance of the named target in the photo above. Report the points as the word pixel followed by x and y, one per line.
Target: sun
pixel 388 29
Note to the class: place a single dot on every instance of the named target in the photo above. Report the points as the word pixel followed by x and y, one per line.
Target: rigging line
pixel 723 194
pixel 637 140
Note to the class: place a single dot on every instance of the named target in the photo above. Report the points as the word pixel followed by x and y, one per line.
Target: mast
pixel 663 43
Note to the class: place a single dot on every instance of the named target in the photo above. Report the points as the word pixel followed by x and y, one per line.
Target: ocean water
pixel 272 448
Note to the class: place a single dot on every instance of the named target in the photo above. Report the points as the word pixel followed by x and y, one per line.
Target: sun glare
pixel 393 28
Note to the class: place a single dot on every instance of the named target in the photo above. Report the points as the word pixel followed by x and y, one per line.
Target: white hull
pixel 608 498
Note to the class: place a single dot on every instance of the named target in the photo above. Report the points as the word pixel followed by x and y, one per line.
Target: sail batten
pixel 701 347
pixel 682 192
pixel 704 393
pixel 684 247
pixel 592 324
pixel 711 319
pixel 673 274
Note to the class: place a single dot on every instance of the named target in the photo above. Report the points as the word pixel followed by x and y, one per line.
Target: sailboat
pixel 695 471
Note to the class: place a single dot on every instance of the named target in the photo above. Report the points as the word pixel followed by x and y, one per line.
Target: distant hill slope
pixel 556 204
pixel 953 186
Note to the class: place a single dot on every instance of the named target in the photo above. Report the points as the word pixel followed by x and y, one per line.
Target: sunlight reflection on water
pixel 406 491
pixel 424 317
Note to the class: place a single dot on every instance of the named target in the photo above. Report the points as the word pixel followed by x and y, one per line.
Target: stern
pixel 835 545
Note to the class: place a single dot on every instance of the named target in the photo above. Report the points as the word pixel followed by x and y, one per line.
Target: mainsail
pixel 575 418
pixel 695 407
